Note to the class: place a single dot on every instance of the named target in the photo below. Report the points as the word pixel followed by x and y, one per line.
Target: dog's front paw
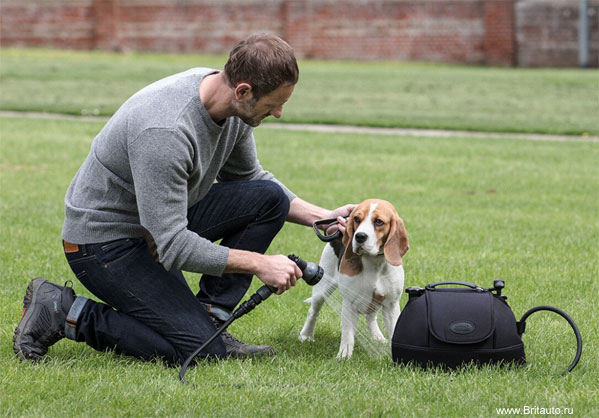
pixel 303 337
pixel 345 351
pixel 377 335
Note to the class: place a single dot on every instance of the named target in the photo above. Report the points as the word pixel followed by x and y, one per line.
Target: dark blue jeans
pixel 152 313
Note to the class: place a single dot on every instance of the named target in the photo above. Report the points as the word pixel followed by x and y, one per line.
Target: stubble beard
pixel 246 112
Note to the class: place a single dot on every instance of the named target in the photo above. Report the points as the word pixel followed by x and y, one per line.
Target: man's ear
pixel 243 92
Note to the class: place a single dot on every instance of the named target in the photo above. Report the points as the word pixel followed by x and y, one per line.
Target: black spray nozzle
pixel 311 272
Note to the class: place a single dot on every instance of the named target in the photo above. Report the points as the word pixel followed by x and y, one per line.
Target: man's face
pixel 253 112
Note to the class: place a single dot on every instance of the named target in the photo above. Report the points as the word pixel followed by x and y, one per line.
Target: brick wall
pixel 450 30
pixel 195 25
pixel 547 33
pixel 57 23
pixel 496 32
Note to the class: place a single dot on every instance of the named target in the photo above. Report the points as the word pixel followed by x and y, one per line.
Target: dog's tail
pixel 308 301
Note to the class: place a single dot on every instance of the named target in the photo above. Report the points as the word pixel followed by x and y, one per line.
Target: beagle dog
pixel 366 265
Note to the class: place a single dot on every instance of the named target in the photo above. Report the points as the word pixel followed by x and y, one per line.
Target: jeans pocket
pixel 75 259
pixel 116 250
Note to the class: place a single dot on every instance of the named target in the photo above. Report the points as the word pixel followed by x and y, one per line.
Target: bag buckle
pixel 414 291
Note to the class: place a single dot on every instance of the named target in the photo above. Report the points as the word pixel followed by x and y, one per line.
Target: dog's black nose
pixel 361 237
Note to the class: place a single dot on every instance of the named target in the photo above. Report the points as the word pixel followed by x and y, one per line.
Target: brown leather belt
pixel 69 247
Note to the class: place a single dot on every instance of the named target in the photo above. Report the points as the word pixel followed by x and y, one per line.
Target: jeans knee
pixel 275 198
pixel 215 350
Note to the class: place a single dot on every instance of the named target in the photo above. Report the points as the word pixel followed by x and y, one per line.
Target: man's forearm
pixel 304 213
pixel 241 261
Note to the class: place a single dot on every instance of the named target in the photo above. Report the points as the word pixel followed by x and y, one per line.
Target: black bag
pixel 450 327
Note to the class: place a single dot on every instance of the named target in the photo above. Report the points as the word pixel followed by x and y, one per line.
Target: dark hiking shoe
pixel 45 309
pixel 238 349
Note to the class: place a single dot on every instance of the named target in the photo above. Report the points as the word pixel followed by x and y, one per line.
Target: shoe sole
pixel 28 300
pixel 257 354
pixel 265 352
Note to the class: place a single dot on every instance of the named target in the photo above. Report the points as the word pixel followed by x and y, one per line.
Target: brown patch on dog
pixel 351 263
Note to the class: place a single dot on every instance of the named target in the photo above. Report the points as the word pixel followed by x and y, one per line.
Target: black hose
pixel 261 294
pixel 570 321
pixel 203 346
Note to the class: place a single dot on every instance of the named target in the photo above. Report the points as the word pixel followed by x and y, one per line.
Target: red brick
pixel 497 32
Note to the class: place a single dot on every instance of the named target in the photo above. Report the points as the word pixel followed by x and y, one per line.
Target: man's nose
pixel 277 112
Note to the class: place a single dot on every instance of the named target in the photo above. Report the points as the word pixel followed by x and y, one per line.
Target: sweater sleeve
pixel 243 164
pixel 160 162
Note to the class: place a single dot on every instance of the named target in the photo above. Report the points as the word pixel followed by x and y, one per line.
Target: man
pixel 144 206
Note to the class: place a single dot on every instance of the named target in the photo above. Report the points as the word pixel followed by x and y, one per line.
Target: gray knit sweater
pixel 156 157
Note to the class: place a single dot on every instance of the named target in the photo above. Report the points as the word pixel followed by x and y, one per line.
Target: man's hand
pixel 279 271
pixel 304 213
pixel 274 270
pixel 340 214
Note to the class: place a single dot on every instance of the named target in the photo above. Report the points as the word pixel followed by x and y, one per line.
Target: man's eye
pixel 378 222
pixel 356 219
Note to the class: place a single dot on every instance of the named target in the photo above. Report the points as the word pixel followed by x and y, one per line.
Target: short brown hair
pixel 264 61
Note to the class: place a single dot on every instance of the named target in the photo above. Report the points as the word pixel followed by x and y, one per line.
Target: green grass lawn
pixel 475 210
pixel 389 94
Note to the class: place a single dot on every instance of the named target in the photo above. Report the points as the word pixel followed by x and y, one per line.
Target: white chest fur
pixel 378 284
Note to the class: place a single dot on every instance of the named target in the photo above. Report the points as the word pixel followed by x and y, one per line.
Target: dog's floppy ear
pixel 397 244
pixel 351 263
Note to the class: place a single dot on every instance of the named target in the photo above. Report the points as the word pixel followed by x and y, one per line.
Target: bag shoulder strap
pixel 522 327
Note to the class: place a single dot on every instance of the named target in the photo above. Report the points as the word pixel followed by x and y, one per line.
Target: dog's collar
pixel 379 254
pixel 339 249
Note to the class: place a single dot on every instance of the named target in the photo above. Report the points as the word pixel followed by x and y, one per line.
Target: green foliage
pixel 389 94
pixel 475 210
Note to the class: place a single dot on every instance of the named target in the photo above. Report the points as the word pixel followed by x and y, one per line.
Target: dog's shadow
pixel 325 344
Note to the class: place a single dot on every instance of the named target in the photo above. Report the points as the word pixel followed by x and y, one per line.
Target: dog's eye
pixel 357 219
pixel 378 222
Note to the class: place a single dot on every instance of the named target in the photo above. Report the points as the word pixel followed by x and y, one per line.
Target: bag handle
pixel 522 326
pixel 431 286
